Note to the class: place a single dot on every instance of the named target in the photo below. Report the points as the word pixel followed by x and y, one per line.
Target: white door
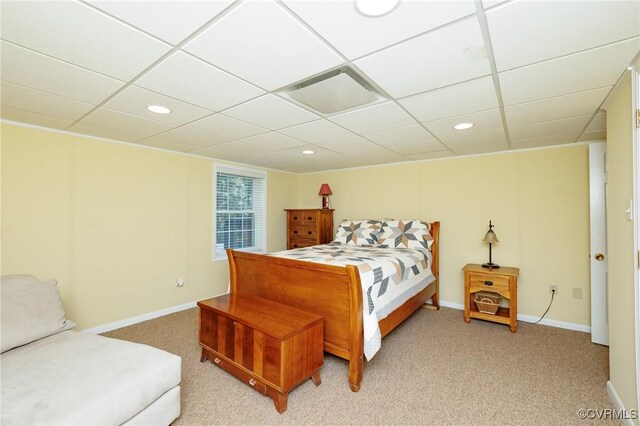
pixel 597 201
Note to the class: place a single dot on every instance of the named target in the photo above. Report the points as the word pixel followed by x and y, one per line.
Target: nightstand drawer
pixel 488 282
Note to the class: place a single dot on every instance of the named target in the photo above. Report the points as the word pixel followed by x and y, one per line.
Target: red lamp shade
pixel 325 190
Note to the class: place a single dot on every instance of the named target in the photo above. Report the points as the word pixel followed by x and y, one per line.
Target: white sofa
pixel 54 375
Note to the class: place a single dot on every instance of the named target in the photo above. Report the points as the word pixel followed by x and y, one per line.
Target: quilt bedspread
pixel 389 277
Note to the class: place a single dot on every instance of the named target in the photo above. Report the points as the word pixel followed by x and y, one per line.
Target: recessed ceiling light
pixel 375 8
pixel 463 126
pixel 308 152
pixel 158 109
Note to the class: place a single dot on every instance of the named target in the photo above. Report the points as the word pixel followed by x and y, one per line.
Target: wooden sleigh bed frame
pixel 333 292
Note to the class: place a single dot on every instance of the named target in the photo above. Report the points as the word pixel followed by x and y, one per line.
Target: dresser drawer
pixel 303 232
pixel 488 282
pixel 303 217
pixel 240 374
pixel 297 242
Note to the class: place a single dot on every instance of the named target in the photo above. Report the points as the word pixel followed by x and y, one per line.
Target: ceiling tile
pixel 172 21
pixel 233 148
pixel 573 105
pixel 35 118
pixel 413 133
pixel 226 127
pixel 599 122
pixel 565 126
pixel 271 112
pixel 525 32
pixel 272 141
pixel 158 142
pixel 104 132
pixel 453 100
pixel 132 128
pixel 338 22
pixel 410 148
pixel 260 42
pixel 317 131
pixel 433 60
pixel 594 135
pixel 584 71
pixel 134 101
pixel 374 118
pixel 28 99
pixel 431 155
pixel 31 69
pixel 493 141
pixel 362 149
pixel 484 122
pixel 544 141
pixel 86 37
pixel 191 137
pixel 189 79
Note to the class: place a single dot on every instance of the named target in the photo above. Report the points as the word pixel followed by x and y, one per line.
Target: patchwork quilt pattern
pixel 358 232
pixel 405 233
pixel 389 277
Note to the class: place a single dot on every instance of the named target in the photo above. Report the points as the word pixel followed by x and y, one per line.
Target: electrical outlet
pixel 180 282
pixel 553 289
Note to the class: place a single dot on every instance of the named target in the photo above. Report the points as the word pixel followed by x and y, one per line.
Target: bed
pixel 334 292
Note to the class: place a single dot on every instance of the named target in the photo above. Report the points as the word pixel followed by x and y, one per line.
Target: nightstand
pixel 503 281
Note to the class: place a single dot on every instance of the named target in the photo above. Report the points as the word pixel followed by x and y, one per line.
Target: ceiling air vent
pixel 337 91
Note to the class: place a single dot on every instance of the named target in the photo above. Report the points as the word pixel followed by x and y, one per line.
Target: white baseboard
pixel 140 318
pixel 617 402
pixel 529 318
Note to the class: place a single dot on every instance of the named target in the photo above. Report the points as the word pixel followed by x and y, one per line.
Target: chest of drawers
pixel 309 227
pixel 270 346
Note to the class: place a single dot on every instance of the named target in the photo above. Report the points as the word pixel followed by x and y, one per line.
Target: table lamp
pixel 325 191
pixel 490 238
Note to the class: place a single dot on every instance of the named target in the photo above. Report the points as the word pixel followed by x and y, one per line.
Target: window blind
pixel 240 210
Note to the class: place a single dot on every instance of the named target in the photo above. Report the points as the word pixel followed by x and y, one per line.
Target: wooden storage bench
pixel 268 345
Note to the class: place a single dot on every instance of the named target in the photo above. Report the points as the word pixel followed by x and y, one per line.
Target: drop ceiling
pixel 527 73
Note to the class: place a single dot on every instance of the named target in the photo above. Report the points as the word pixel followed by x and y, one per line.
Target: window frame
pixel 244 172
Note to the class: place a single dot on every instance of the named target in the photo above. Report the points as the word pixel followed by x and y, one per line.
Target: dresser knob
pixel 295 218
pixel 217 360
pixel 309 218
pixel 295 245
pixel 252 382
pixel 310 232
pixel 295 232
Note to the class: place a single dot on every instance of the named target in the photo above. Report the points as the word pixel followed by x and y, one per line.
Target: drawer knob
pixel 252 382
pixel 295 232
pixel 295 218
pixel 488 283
pixel 295 245
pixel 217 360
pixel 309 232
pixel 309 218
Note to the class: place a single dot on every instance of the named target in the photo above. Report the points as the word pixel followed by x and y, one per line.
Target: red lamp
pixel 325 191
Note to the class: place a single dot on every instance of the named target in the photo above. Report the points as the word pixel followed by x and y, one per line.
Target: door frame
pixel 635 208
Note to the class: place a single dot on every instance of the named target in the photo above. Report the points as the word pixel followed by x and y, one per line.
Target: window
pixel 239 210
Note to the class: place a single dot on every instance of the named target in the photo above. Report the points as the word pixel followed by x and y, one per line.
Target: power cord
pixel 553 293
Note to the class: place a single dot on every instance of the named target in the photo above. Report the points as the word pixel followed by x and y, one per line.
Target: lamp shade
pixel 325 190
pixel 491 237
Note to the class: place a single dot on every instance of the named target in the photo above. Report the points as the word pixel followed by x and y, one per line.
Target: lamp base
pixel 490 265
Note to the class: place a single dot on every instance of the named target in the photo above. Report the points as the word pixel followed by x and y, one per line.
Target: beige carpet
pixel 433 369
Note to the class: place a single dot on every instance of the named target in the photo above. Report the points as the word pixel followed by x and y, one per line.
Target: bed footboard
pixel 334 292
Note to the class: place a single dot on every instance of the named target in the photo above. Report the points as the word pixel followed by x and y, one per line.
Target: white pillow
pixel 405 234
pixel 31 310
pixel 358 232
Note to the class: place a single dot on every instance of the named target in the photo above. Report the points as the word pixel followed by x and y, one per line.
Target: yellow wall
pixel 116 224
pixel 538 201
pixel 622 351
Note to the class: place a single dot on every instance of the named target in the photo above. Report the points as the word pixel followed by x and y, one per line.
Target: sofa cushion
pixel 75 378
pixel 31 310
